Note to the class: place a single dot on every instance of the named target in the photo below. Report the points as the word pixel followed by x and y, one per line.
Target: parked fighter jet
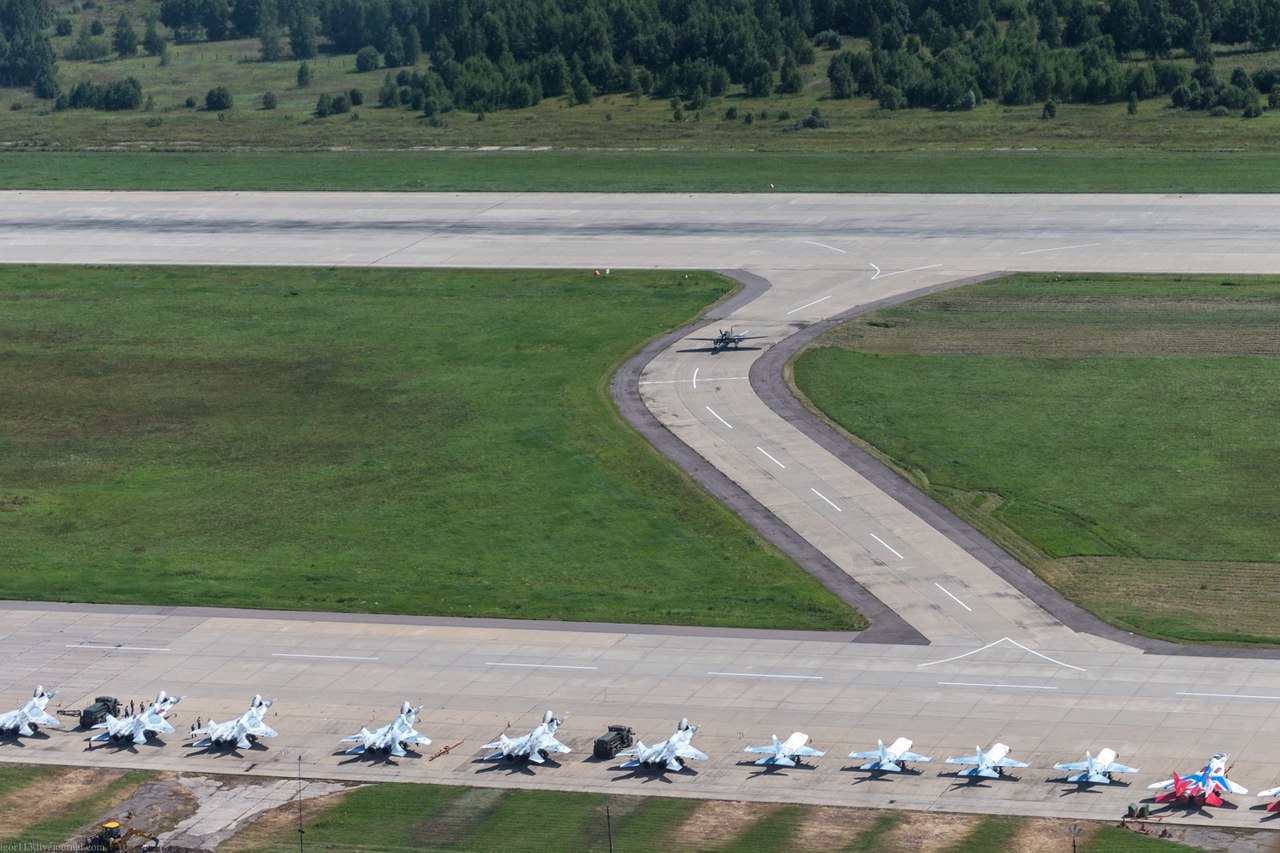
pixel 535 746
pixel 1200 789
pixel 391 738
pixel 1274 805
pixel 786 753
pixel 242 732
pixel 140 725
pixel 28 719
pixel 1097 770
pixel 725 339
pixel 668 755
pixel 989 764
pixel 889 758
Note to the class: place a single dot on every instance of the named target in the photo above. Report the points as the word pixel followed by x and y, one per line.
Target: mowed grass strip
pixel 388 441
pixel 1117 434
pixel 688 170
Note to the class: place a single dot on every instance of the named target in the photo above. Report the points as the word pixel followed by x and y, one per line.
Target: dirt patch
pixel 28 806
pixel 1037 835
pixel 455 821
pixel 715 823
pixel 921 832
pixel 277 823
pixel 832 828
pixel 157 805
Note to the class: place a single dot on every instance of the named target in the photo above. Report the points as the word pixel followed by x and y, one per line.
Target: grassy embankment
pixel 424 817
pixel 1116 434
pixel 992 148
pixel 394 816
pixel 389 441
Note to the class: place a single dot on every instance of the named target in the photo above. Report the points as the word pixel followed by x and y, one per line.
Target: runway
pixel 996 666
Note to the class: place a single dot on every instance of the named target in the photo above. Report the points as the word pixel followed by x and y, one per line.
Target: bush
pixel 340 104
pixel 356 97
pixel 63 27
pixel 324 105
pixel 96 28
pixel 190 103
pixel 367 59
pixel 731 114
pixel 304 75
pixel 1050 109
pixel 268 100
pixel 218 98
pixel 830 39
pixel 582 93
pixel 1219 111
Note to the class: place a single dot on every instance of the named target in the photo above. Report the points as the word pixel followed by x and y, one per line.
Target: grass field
pixel 422 817
pixel 649 171
pixel 360 440
pixel 1115 433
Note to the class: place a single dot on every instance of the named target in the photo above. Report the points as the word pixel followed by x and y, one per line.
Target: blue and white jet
pixel 243 731
pixel 891 758
pixel 141 725
pixel 785 753
pixel 668 755
pixel 391 738
pixel 28 719
pixel 536 746
pixel 1096 770
pixel 989 764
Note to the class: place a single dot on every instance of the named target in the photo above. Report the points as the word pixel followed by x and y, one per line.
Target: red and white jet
pixel 1202 788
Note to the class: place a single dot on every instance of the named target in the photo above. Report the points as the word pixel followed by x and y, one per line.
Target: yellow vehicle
pixel 112 836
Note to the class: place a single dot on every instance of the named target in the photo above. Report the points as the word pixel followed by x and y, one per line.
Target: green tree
pixel 302 33
pixel 304 75
pixel 791 80
pixel 367 59
pixel 218 98
pixel 152 42
pixel 324 105
pixel 271 46
pixel 124 39
pixel 582 92
pixel 268 100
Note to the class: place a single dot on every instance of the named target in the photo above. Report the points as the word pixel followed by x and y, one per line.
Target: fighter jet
pixel 391 738
pixel 1096 771
pixel 989 764
pixel 28 719
pixel 140 725
pixel 243 731
pixel 668 755
pixel 785 753
pixel 889 758
pixel 535 746
pixel 726 339
pixel 1200 789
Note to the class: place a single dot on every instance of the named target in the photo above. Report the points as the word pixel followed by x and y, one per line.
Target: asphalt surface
pixel 988 662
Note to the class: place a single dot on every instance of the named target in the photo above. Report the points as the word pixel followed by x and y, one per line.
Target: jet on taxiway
pixel 668 755
pixel 536 746
pixel 889 758
pixel 141 725
pixel 241 732
pixel 28 719
pixel 786 753
pixel 989 764
pixel 391 738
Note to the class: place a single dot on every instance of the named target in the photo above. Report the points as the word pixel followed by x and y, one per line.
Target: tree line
pixel 943 54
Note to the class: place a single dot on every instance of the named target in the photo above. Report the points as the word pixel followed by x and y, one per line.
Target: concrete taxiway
pixel 984 660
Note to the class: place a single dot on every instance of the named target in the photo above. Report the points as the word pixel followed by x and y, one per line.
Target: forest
pixel 486 55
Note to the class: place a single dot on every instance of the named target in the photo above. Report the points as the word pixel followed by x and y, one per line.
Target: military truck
pixel 97 712
pixel 617 738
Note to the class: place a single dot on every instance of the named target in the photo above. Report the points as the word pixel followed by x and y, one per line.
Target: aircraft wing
pixel 780 760
pixel 1073 765
pixel 912 756
pixel 259 729
pixel 1270 792
pixel 1117 767
pixel 685 750
pixel 1227 785
pixel 973 760
pixel 1009 762
pixel 761 750
pixel 1167 783
pixel 809 752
